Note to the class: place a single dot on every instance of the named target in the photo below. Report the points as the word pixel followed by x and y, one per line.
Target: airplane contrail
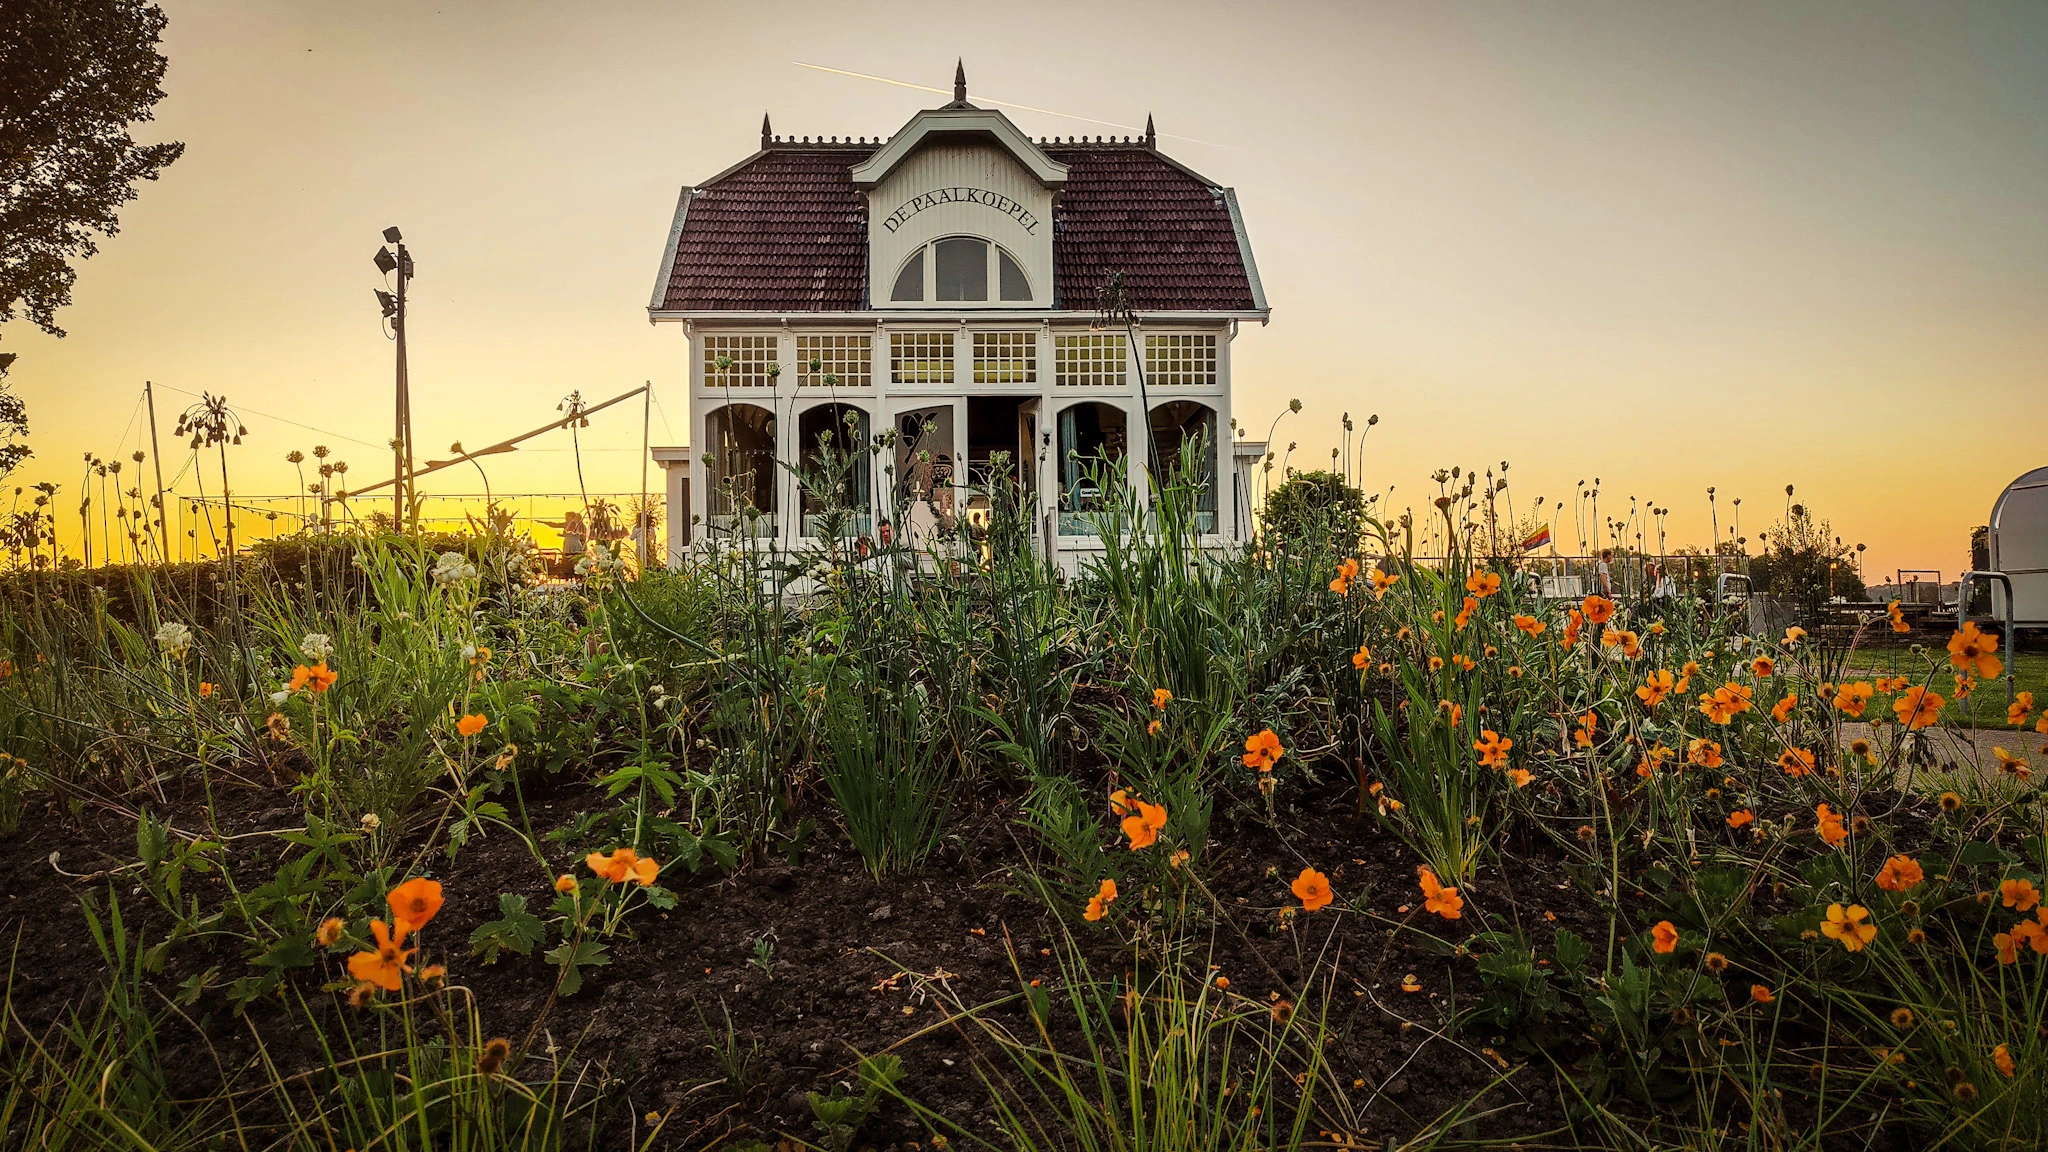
pixel 1004 103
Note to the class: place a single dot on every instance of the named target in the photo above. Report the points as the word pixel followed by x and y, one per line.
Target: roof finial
pixel 767 136
pixel 1151 137
pixel 960 81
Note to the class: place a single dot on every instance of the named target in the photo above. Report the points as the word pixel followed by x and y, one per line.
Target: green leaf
pixel 1572 951
pixel 573 958
pixel 1980 853
pixel 517 931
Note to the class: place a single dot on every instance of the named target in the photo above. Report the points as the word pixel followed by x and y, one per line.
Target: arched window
pixel 910 281
pixel 1184 436
pixel 1092 444
pixel 962 269
pixel 836 469
pixel 741 470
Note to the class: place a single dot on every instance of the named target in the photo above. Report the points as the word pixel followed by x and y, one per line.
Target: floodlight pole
pixel 401 443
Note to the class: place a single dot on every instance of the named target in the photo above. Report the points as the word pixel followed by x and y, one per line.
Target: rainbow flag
pixel 1538 538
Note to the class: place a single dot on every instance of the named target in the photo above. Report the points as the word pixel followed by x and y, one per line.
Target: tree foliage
pixel 74 76
pixel 1316 504
pixel 1805 563
pixel 13 422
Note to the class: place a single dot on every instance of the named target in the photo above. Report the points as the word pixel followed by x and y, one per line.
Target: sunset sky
pixel 1669 245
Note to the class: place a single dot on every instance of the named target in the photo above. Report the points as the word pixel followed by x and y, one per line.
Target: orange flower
pixel 1347 571
pixel 1463 662
pixel 1761 994
pixel 1725 702
pixel 1313 890
pixel 1161 698
pixel 2001 1059
pixel 1796 761
pixel 1847 925
pixel 471 725
pixel 1763 666
pixel 330 931
pixel 622 865
pixel 1664 938
pixel 1899 874
pixel 2012 765
pixel 1917 707
pixel 1704 753
pixel 1362 659
pixel 1154 728
pixel 318 678
pixel 1381 582
pixel 1529 625
pixel 1793 636
pixel 1898 617
pixel 1100 902
pixel 1465 611
pixel 1143 825
pixel 1599 609
pixel 2019 894
pixel 205 688
pixel 1483 583
pixel 2016 712
pixel 1443 901
pixel 1830 826
pixel 1738 819
pixel 1119 803
pixel 1520 776
pixel 1631 645
pixel 387 965
pixel 1492 748
pixel 1587 724
pixel 1782 710
pixel 1655 687
pixel 1572 625
pixel 1852 699
pixel 1262 750
pixel 1972 649
pixel 565 883
pixel 2008 948
pixel 413 904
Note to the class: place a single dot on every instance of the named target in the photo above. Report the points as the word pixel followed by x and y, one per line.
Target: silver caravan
pixel 2018 540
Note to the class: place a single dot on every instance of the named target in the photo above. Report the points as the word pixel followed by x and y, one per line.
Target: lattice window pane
pixel 749 361
pixel 1180 360
pixel 921 357
pixel 1094 360
pixel 1006 357
pixel 843 361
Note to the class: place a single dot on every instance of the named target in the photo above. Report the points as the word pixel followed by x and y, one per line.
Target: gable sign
pixel 994 200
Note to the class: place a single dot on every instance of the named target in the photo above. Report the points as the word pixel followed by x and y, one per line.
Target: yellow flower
pixel 1847 925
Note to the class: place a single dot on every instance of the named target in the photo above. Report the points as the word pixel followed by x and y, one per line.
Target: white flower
pixel 317 646
pixel 469 652
pixel 279 697
pixel 452 568
pixel 370 822
pixel 175 638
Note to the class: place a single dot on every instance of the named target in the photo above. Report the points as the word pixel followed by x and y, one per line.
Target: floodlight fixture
pixel 391 235
pixel 388 302
pixel 386 261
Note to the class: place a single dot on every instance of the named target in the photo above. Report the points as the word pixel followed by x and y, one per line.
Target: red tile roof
pixel 786 231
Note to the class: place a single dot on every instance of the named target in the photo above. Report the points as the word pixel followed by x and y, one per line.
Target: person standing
pixel 1605 573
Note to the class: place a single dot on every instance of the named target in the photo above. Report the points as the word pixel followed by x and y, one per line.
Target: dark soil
pixel 838 935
